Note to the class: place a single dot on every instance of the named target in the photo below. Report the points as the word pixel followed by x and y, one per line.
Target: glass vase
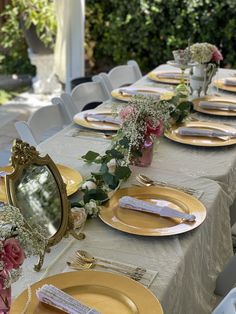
pixel 147 153
pixel 5 298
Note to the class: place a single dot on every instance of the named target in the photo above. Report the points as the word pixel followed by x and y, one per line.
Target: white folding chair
pixel 44 122
pixel 121 75
pixel 86 93
pixel 227 305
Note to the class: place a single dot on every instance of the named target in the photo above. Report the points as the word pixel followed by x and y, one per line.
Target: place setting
pixel 226 84
pixel 168 77
pixel 97 120
pixel 88 291
pixel 202 133
pixel 125 93
pixel 215 105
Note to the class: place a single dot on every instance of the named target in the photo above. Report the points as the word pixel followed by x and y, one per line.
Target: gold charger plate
pixel 215 112
pixel 80 119
pixel 164 95
pixel 221 85
pixel 201 140
pixel 147 224
pixel 106 292
pixel 71 177
pixel 156 76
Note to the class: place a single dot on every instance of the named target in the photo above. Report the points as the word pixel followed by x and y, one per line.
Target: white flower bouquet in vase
pixel 208 58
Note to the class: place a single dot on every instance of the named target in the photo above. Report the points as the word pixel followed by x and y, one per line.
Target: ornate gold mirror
pixel 36 187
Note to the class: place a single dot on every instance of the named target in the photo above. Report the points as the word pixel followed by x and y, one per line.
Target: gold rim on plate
pixel 147 224
pixel 100 290
pixel 156 76
pixel 126 97
pixel 80 119
pixel 216 112
pixel 221 85
pixel 205 141
pixel 71 177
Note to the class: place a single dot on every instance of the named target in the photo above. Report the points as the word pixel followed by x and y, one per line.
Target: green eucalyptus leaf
pixel 115 154
pixel 122 172
pixel 95 194
pixel 103 169
pixel 90 156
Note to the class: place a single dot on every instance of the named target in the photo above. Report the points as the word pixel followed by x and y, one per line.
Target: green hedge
pixel 148 30
pixel 144 30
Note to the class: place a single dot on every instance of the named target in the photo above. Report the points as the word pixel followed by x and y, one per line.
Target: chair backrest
pixel 121 75
pixel 86 93
pixel 44 122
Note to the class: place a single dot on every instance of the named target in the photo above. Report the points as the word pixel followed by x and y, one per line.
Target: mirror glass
pixel 38 197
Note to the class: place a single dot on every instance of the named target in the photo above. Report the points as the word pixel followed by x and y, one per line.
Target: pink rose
pixel 126 112
pixel 12 255
pixel 155 130
pixel 216 56
pixel 3 277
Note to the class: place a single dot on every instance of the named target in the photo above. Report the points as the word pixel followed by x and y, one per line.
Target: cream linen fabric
pixel 187 264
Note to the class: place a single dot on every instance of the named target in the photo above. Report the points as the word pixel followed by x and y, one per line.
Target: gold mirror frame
pixel 23 156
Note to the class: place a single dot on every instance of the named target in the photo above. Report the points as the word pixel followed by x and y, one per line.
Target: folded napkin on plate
pixel 230 81
pixel 172 75
pixel 217 105
pixel 164 211
pixel 102 118
pixel 188 131
pixel 53 296
pixel 141 92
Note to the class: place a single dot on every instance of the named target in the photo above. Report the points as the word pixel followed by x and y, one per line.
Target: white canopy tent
pixel 69 49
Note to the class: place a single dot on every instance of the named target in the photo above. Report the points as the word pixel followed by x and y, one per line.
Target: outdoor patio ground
pixel 19 108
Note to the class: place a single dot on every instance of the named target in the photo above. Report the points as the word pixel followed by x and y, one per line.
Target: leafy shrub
pixel 148 30
pixel 40 14
pixel 144 30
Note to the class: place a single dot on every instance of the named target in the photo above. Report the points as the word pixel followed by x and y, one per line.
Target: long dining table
pixel 187 264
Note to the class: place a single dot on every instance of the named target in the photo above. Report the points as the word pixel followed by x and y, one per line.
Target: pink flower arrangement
pixel 216 55
pixel 11 257
pixel 12 254
pixel 144 119
pixel 126 112
pixel 205 53
pixel 156 131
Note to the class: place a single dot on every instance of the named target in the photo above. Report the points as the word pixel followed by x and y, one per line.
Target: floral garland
pixel 143 116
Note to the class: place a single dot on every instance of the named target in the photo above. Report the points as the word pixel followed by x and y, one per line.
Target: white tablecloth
pixel 187 264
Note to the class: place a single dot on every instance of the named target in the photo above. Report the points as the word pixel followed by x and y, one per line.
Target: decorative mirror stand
pixel 36 187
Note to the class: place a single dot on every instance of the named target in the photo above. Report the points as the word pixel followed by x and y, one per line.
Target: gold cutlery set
pixel 82 260
pixel 146 181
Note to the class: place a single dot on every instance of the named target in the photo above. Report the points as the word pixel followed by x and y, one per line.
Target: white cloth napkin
pixel 53 296
pixel 217 105
pixel 164 211
pixel 148 92
pixel 172 75
pixel 230 81
pixel 188 131
pixel 102 118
